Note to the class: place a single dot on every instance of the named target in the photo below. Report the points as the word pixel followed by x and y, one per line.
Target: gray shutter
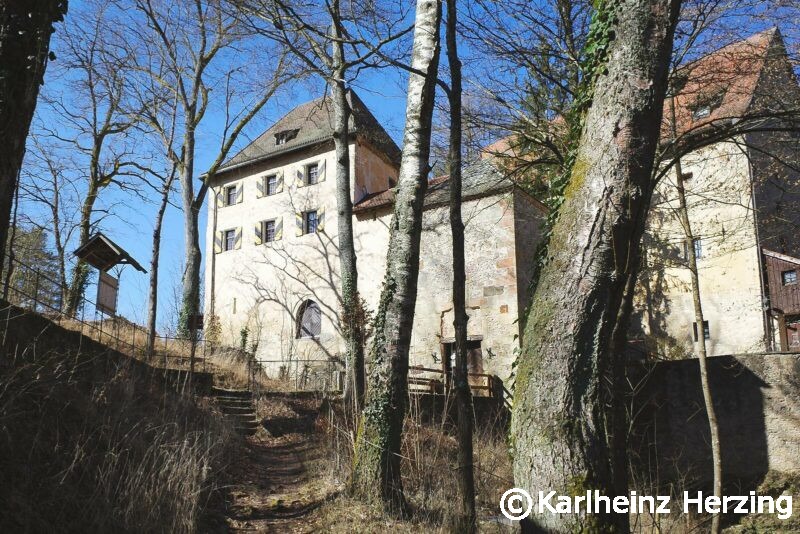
pixel 278 228
pixel 220 198
pixel 298 219
pixel 300 179
pixel 279 188
pixel 237 243
pixel 240 193
pixel 259 233
pixel 217 242
pixel 321 171
pixel 260 184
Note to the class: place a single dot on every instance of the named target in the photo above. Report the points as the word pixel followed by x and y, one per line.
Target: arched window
pixel 309 320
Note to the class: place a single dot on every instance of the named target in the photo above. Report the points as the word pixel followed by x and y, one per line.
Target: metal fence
pixel 33 289
pixel 304 375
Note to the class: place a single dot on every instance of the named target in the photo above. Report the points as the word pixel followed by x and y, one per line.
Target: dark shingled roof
pixel 480 178
pixel 313 122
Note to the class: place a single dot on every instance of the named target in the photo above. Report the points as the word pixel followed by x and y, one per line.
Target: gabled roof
pixel 103 254
pixel 480 178
pixel 727 79
pixel 309 124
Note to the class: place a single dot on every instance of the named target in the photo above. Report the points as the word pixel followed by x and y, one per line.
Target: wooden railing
pixel 481 384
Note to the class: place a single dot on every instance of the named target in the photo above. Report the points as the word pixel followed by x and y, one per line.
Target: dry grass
pixel 429 461
pixel 231 367
pixel 86 453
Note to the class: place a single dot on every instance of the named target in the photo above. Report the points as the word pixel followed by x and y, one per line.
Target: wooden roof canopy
pixel 103 254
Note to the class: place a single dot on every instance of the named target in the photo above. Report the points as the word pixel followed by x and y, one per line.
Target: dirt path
pixel 277 479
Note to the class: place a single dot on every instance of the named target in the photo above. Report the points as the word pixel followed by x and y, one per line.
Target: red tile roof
pixel 724 81
pixel 727 78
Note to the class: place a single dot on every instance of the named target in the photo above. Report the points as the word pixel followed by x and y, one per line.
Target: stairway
pixel 237 406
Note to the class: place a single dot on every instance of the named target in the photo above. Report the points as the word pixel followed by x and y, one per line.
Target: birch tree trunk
pixel 376 469
pixel 25 30
pixel 463 514
pixel 559 419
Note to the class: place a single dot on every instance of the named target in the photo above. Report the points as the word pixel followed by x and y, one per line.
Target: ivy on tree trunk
pixel 559 419
pixel 376 469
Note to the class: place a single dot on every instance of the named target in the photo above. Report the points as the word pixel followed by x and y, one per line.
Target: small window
pixel 312 174
pixel 706 330
pixel 698 249
pixel 789 277
pixel 705 106
pixel 229 240
pixel 281 138
pixel 230 195
pixel 309 320
pixel 272 184
pixel 268 231
pixel 310 222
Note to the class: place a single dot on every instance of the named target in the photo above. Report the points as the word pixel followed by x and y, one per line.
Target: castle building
pixel 743 202
pixel 274 271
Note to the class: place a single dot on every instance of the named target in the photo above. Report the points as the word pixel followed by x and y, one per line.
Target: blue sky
pixel 131 224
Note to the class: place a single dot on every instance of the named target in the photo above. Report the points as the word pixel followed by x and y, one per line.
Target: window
pixel 268 231
pixel 272 184
pixel 309 320
pixel 230 195
pixel 704 107
pixel 281 138
pixel 706 330
pixel 312 174
pixel 789 277
pixel 698 249
pixel 310 222
pixel 229 240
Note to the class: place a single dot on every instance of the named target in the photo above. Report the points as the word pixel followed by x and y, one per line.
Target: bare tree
pixel 191 50
pixel 377 459
pixel 25 30
pixel 47 183
pixel 93 123
pixel 464 518
pixel 559 415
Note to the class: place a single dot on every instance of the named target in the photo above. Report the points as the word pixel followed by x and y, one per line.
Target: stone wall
pixel 757 399
pixel 719 200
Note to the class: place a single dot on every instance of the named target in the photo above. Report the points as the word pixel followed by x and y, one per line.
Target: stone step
pixel 234 401
pixel 251 420
pixel 238 393
pixel 233 409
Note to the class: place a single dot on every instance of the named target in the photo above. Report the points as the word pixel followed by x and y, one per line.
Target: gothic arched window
pixel 309 320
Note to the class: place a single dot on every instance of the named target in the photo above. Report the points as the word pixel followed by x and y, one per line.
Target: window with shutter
pixel 272 184
pixel 309 320
pixel 269 231
pixel 230 195
pixel 228 240
pixel 312 174
pixel 310 221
